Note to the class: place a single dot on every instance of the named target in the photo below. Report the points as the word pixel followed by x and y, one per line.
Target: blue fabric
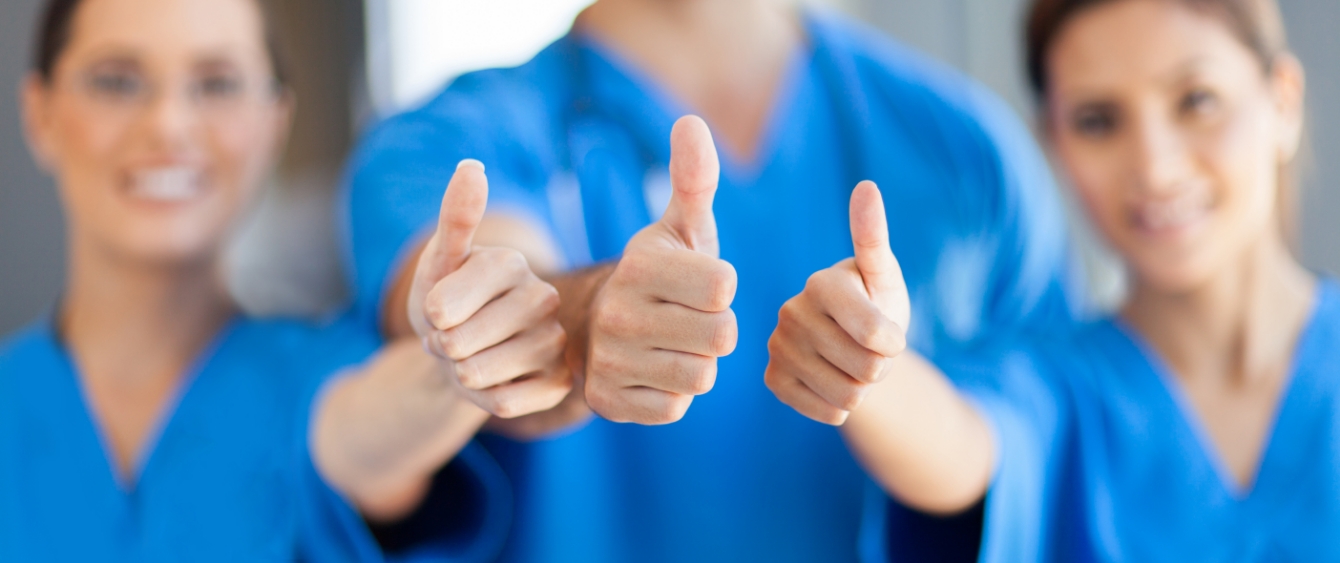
pixel 577 141
pixel 228 476
pixel 1103 458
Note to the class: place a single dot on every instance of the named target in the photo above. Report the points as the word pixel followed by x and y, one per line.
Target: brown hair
pixel 58 18
pixel 1256 23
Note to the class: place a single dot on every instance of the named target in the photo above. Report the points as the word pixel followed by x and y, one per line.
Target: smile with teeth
pixel 171 184
pixel 1172 215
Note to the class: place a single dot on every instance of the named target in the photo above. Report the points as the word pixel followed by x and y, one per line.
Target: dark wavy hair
pixel 53 36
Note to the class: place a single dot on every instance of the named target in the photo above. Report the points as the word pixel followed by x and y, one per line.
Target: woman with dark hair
pixel 1196 424
pixel 146 419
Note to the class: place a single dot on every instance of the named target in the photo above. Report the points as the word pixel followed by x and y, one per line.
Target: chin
pixel 1173 275
pixel 170 247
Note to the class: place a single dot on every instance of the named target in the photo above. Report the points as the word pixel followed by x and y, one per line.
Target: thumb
pixel 694 171
pixel 870 238
pixel 462 210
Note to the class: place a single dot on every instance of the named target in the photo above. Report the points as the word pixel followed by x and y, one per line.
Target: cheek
pixel 88 146
pixel 242 153
pixel 1244 158
pixel 1094 173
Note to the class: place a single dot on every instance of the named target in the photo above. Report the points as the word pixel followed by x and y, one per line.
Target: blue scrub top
pixel 227 477
pixel 577 140
pixel 1104 459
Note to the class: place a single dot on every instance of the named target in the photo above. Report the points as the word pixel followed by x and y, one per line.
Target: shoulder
pixel 957 123
pixel 23 347
pixel 477 111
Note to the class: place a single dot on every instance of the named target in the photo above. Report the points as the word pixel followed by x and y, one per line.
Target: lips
pixel 1172 216
pixel 173 184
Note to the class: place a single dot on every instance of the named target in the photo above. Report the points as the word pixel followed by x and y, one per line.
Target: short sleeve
pixel 393 187
pixel 1028 414
pixel 465 517
pixel 470 502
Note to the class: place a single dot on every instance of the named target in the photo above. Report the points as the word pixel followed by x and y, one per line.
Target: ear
pixel 1288 85
pixel 34 96
pixel 286 103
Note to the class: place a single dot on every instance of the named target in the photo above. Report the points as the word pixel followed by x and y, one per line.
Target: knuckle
pixel 850 398
pixel 869 332
pixel 724 334
pixel 702 376
pixel 453 343
pixel 633 269
pixel 671 410
pixel 819 281
pixel 601 401
pixel 600 364
pixel 871 368
pixel 555 338
pixel 721 285
pixel 834 417
pixel 437 309
pixel 616 320
pixel 515 261
pixel 547 299
pixel 507 406
pixel 467 373
pixel 773 379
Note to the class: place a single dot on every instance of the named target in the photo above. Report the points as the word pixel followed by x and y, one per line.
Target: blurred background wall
pixel 353 60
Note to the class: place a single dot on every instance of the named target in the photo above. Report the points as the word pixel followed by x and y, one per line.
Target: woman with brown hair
pixel 1196 424
pixel 147 419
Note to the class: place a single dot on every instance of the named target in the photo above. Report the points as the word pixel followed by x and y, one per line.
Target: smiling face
pixel 1173 134
pixel 159 122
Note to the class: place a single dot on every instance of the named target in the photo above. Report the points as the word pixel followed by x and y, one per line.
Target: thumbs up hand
pixel 837 339
pixel 485 312
pixel 663 317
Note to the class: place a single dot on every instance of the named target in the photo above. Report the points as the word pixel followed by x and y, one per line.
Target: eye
pixel 218 87
pixel 116 83
pixel 1095 121
pixel 1198 101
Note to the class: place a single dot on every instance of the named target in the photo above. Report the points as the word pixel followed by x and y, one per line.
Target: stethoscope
pixel 595 188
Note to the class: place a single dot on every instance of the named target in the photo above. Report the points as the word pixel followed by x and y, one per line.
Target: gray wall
pixel 286 262
pixel 31 230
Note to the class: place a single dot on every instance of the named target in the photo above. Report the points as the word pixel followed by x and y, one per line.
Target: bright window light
pixel 418 46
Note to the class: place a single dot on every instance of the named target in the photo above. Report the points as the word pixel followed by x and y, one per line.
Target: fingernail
pixel 470 162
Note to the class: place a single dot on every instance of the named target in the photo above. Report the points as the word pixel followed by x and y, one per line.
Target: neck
pixel 1243 324
pixel 130 321
pixel 723 59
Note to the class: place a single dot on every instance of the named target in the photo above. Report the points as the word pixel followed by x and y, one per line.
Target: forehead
pixel 1132 42
pixel 168 26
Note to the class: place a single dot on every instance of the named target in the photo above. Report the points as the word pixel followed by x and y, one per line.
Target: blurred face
pixel 1174 134
pixel 159 122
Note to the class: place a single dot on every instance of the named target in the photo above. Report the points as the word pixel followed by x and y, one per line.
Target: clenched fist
pixel 485 312
pixel 663 317
pixel 839 336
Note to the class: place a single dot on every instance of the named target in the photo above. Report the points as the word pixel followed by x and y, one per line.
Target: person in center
pixel 672 259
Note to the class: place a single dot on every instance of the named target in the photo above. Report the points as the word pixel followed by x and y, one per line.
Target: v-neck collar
pixel 650 111
pixel 179 399
pixel 1299 376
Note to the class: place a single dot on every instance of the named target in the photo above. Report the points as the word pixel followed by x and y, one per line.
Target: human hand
pixel 837 339
pixel 485 312
pixel 663 317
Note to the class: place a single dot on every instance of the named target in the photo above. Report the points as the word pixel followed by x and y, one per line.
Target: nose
pixel 1160 156
pixel 171 119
